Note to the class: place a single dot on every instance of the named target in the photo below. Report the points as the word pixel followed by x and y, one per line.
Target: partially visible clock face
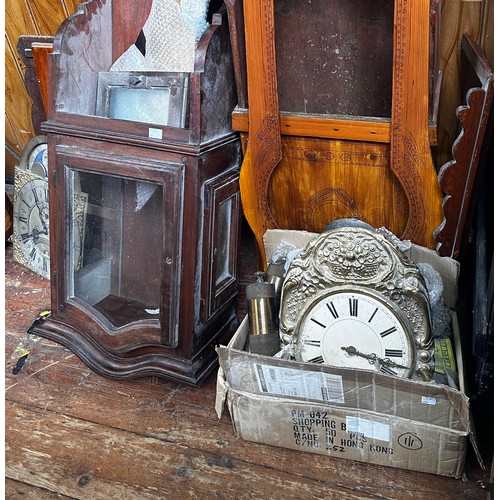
pixel 31 225
pixel 35 156
pixel 38 160
pixel 354 329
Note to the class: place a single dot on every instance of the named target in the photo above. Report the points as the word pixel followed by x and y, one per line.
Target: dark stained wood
pixel 189 165
pixel 36 91
pixel 73 433
pixel 131 19
pixel 237 33
pixel 458 178
pixel 334 57
pixel 41 51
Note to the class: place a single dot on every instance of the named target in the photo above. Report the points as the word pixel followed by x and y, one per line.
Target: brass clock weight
pixel 352 299
pixel 263 317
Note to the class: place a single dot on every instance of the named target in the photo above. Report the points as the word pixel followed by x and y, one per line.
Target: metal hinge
pixel 486 486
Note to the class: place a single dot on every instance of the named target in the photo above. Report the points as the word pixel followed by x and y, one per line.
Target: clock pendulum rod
pixel 263 151
pixel 411 159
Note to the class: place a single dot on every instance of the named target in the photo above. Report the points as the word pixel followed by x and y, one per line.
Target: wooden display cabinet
pixel 144 217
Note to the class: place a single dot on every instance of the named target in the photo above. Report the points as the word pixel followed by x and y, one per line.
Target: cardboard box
pixel 353 414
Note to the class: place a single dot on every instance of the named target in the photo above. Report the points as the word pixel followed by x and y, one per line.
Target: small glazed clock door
pixel 122 243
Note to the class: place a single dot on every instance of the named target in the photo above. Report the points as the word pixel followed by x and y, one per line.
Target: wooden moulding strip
pixel 354 129
pixel 41 51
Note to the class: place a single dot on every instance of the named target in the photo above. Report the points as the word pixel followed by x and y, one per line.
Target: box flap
pixel 351 389
pixel 237 342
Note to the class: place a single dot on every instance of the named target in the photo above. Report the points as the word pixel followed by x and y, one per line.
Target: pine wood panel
pixel 487 36
pixel 326 179
pixel 411 159
pixel 25 17
pixel 458 17
pixel 18 127
pixel 71 432
pixel 263 150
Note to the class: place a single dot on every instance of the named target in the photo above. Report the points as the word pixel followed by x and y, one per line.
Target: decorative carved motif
pixel 457 177
pixel 338 203
pixel 411 159
pixel 353 257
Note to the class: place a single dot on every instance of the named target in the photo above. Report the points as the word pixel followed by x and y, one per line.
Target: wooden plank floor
pixel 71 433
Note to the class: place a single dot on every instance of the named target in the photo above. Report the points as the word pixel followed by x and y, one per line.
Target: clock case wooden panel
pixel 197 168
pixel 338 85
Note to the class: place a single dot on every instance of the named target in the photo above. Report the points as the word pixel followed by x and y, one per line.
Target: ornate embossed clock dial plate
pixel 32 221
pixel 355 330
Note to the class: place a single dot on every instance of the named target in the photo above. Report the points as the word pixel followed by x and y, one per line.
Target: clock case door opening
pixel 124 218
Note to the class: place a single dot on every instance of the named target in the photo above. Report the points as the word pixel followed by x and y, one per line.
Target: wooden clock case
pixel 188 248
pixel 341 121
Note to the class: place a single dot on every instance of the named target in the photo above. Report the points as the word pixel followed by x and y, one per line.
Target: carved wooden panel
pixel 411 159
pixel 458 177
pixel 319 180
pixel 263 150
pixel 395 125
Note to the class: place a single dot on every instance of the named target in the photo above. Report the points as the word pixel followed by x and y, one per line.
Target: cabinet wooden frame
pixel 222 211
pixel 91 159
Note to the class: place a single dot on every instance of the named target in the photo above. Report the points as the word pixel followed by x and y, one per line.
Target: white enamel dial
pixel 31 224
pixel 355 329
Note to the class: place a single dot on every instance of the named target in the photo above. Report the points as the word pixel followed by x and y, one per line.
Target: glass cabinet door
pixel 116 242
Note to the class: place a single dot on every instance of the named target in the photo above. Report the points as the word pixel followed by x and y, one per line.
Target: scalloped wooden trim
pixel 457 176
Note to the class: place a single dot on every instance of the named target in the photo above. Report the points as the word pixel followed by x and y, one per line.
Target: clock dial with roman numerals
pixel 355 329
pixel 352 298
pixel 31 222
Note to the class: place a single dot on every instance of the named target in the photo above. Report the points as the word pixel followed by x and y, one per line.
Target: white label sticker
pixel 428 400
pixel 368 428
pixel 155 133
pixel 298 383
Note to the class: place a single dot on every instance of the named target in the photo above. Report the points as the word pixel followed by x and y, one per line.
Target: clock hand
pixel 43 216
pixel 372 358
pixel 389 362
pixel 34 234
pixel 352 351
